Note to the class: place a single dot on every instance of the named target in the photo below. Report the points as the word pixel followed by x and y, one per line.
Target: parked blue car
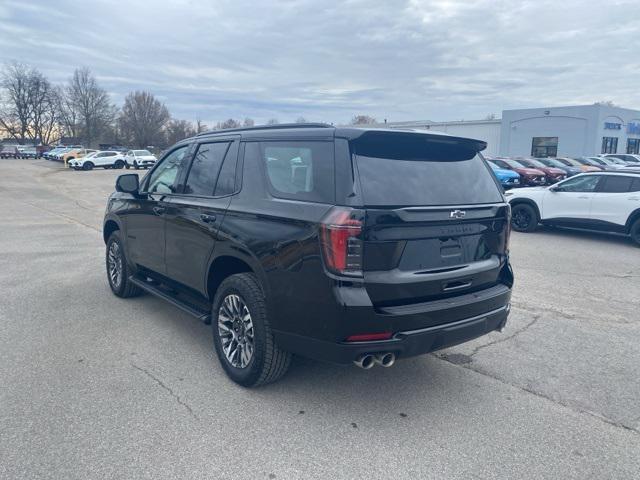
pixel 507 178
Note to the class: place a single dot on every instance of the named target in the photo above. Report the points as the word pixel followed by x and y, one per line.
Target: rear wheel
pixel 635 232
pixel 117 269
pixel 524 218
pixel 242 333
pixel 87 166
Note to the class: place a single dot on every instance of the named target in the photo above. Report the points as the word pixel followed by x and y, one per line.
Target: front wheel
pixel 635 232
pixel 118 164
pixel 135 165
pixel 524 218
pixel 87 166
pixel 117 269
pixel 242 333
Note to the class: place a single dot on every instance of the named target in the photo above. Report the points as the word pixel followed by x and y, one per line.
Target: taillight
pixel 507 234
pixel 369 337
pixel 340 237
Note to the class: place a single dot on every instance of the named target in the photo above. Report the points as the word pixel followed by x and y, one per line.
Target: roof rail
pixel 267 127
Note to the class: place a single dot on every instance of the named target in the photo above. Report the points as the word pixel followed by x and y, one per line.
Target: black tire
pixel 122 288
pixel 524 218
pixel 135 165
pixel 87 166
pixel 635 232
pixel 118 164
pixel 126 165
pixel 268 362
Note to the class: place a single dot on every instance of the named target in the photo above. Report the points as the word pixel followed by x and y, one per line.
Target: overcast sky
pixel 327 61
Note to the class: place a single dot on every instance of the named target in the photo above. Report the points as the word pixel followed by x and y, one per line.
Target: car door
pixel 145 221
pixel 570 201
pixel 615 198
pixel 195 214
pixel 98 159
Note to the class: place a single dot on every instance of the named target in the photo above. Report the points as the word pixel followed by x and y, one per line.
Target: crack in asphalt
pixel 167 388
pixel 585 274
pixel 62 215
pixel 507 338
pixel 530 390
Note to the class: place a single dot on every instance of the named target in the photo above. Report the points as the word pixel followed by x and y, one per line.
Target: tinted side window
pixel 300 170
pixel 226 184
pixel 635 186
pixel 205 166
pixel 616 184
pixel 163 177
pixel 580 184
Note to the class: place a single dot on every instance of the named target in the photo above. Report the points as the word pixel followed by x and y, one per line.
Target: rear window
pixel 416 171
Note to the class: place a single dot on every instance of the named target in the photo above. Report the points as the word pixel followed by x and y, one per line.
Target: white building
pixel 554 131
pixel 570 131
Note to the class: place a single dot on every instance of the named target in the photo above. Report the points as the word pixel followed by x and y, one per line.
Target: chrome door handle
pixel 207 218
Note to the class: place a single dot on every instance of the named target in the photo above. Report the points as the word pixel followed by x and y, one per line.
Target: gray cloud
pixel 415 59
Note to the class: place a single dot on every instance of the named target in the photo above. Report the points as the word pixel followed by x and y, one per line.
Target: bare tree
pixel 177 130
pixel 44 111
pixel 229 123
pixel 200 127
pixel 15 102
pixel 301 120
pixel 362 120
pixel 143 119
pixel 248 122
pixel 272 121
pixel 90 103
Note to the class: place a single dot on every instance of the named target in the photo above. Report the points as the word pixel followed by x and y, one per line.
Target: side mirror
pixel 128 183
pixel 555 189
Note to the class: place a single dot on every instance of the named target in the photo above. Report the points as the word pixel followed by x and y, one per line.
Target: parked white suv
pixel 103 159
pixel 140 159
pixel 607 201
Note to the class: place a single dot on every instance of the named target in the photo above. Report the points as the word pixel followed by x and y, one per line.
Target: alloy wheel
pixel 114 259
pixel 521 219
pixel 235 328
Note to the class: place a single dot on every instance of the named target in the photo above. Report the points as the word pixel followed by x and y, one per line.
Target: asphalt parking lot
pixel 93 386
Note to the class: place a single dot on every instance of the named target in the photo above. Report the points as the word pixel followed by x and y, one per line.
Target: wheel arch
pixel 527 201
pixel 110 226
pixel 635 215
pixel 227 264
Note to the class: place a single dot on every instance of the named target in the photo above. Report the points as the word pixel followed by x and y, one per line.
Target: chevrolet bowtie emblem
pixel 457 214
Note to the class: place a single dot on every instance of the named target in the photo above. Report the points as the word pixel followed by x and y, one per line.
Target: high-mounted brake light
pixel 340 234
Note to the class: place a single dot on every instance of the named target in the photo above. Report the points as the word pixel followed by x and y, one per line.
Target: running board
pixel 188 307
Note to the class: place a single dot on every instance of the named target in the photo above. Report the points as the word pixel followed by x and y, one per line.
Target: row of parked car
pixel 20 151
pixel 531 172
pixel 80 158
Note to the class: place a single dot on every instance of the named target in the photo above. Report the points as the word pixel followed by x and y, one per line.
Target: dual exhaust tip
pixel 368 360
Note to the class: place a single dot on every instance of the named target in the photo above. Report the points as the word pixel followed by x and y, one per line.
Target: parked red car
pixel 553 174
pixel 528 176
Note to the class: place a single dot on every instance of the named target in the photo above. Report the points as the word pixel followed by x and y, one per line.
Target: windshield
pixel 516 164
pixel 142 153
pixel 89 155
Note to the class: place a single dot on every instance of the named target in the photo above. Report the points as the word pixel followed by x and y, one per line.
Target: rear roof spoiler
pixel 435 137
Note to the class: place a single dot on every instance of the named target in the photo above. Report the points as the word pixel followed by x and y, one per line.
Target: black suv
pixel 338 244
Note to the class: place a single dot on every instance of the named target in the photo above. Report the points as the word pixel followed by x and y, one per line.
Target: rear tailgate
pixel 436 225
pixel 415 254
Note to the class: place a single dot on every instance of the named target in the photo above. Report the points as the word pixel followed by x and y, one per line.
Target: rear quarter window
pixel 299 170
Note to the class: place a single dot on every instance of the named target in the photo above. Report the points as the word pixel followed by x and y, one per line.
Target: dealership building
pixel 548 132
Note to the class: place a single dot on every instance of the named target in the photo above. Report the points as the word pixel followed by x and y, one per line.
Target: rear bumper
pixel 405 343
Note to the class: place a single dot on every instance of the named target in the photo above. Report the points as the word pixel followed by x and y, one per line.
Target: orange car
pixel 570 162
pixel 75 153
